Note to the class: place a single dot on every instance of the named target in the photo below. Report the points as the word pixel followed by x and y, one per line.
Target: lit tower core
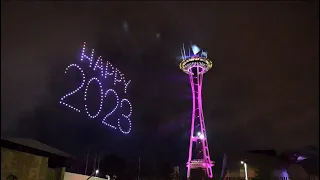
pixel 195 65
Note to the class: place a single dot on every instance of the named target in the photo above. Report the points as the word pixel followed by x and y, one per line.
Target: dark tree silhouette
pixel 113 165
pixel 166 170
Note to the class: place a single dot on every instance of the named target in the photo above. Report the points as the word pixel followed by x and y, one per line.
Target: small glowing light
pixel 195 49
pixel 125 26
pixel 97 171
pixel 241 162
pixel 201 136
pixel 301 158
pixel 204 54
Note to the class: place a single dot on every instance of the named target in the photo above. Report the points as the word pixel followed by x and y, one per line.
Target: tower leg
pixel 192 128
pixel 196 162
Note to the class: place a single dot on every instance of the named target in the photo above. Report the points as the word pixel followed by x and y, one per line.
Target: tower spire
pixel 195 66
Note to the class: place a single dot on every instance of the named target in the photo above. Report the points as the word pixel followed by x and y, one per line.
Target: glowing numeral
pixel 125 116
pixel 113 110
pixel 85 98
pixel 74 91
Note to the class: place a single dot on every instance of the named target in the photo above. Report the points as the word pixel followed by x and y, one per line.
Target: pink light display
pixel 122 110
pixel 195 65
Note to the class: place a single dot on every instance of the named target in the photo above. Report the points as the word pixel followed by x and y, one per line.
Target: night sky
pixel 262 93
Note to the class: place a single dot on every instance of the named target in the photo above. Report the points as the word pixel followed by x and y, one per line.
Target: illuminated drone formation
pixel 102 72
pixel 195 65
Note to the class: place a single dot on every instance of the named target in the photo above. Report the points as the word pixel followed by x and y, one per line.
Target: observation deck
pixel 195 61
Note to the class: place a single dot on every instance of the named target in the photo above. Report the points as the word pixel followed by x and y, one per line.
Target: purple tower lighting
pixel 195 65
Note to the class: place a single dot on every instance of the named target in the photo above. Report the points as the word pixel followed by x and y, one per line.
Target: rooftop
pixel 33 144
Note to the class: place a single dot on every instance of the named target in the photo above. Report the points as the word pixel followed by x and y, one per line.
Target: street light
pixel 95 172
pixel 245 169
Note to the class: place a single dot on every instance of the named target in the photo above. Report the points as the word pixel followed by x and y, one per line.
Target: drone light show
pixel 112 92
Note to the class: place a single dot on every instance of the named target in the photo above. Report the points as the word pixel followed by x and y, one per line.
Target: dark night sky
pixel 261 93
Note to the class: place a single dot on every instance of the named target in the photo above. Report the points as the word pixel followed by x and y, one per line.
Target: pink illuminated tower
pixel 195 65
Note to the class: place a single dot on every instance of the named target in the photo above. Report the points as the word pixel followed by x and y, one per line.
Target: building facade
pixel 25 159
